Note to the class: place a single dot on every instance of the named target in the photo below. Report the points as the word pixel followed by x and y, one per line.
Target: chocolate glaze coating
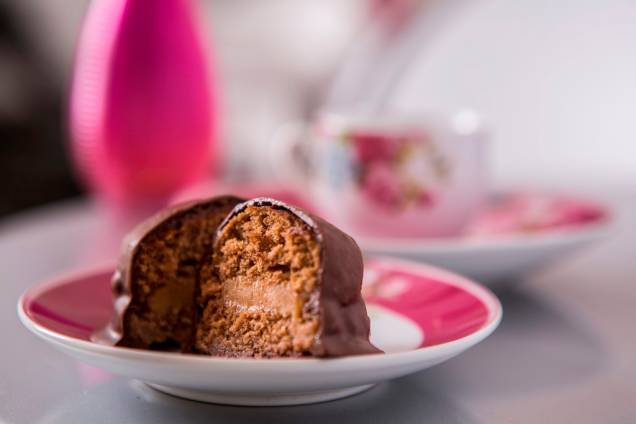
pixel 121 280
pixel 344 323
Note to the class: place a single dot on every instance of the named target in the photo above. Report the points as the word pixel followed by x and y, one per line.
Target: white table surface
pixel 565 351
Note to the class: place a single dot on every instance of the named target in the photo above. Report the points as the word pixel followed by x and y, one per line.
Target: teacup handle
pixel 289 156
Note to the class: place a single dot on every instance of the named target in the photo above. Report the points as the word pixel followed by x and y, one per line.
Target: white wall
pixel 557 80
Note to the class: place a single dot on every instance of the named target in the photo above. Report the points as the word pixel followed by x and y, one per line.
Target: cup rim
pixel 464 121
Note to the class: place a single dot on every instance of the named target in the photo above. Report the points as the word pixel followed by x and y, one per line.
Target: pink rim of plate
pixel 445 306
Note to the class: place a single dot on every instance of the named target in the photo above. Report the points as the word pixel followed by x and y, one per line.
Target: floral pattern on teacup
pixel 397 172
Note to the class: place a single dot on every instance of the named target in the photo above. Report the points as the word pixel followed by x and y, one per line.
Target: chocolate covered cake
pixel 281 283
pixel 252 279
pixel 155 285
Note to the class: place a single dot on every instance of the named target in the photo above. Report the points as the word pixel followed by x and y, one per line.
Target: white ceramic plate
pixel 491 260
pixel 420 316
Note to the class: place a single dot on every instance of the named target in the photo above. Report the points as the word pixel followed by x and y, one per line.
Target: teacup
pixel 390 177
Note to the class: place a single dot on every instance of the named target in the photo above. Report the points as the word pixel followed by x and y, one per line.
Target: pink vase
pixel 142 112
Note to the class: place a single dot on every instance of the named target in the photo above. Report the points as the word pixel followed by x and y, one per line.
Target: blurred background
pixel 552 79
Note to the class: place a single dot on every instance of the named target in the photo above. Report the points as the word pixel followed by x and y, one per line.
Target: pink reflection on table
pixel 92 376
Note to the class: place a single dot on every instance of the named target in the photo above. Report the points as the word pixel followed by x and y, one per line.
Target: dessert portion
pixel 156 283
pixel 224 277
pixel 280 282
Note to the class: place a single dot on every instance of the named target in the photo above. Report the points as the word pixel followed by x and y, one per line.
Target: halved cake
pixel 280 282
pixel 253 279
pixel 156 283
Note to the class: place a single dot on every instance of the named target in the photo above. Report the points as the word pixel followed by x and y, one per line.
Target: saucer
pixel 420 316
pixel 491 261
pixel 515 234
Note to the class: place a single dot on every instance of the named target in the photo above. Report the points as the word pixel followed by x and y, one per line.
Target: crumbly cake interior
pixel 258 290
pixel 163 313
